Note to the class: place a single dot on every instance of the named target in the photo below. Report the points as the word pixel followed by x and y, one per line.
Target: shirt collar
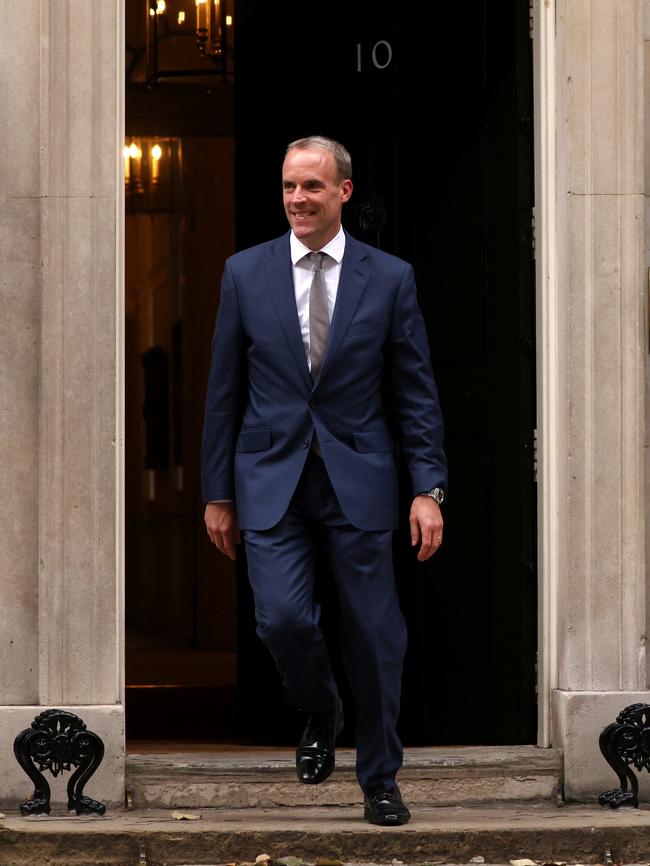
pixel 335 248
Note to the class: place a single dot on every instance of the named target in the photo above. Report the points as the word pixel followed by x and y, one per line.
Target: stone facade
pixel 60 227
pixel 600 344
pixel 61 442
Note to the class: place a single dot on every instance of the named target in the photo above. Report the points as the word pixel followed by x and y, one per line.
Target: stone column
pixel 60 437
pixel 600 207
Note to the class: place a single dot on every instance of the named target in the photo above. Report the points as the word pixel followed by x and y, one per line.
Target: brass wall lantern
pixel 153 170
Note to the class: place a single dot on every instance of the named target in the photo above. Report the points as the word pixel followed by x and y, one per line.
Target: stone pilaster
pixel 64 583
pixel 600 206
pixel 19 359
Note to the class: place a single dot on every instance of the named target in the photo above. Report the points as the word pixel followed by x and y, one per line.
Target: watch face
pixel 438 495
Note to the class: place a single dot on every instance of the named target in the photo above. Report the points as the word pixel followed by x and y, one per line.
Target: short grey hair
pixel 341 156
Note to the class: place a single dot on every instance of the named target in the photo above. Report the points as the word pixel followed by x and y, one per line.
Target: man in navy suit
pixel 314 330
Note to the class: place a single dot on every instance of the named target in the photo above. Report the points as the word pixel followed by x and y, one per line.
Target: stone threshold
pixel 575 834
pixel 257 777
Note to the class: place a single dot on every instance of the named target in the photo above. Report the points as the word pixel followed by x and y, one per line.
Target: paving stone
pixel 574 834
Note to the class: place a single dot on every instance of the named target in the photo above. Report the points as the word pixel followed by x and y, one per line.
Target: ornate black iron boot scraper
pixel 57 741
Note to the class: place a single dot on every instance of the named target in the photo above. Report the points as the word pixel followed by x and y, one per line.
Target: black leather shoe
pixel 315 753
pixel 386 808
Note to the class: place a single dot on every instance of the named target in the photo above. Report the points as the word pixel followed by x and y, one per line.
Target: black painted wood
pixel 441 139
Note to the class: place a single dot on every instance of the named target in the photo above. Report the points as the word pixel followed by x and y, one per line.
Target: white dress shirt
pixel 303 271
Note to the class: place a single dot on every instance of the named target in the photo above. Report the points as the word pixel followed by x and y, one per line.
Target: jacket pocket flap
pixel 368 325
pixel 254 439
pixel 373 440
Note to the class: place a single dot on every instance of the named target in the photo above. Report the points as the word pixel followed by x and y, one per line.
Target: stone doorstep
pixel 266 777
pixel 575 834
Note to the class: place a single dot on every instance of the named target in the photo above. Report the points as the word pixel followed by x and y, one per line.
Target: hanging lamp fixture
pixel 171 24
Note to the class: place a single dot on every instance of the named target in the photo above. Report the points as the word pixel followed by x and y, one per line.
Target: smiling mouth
pixel 302 215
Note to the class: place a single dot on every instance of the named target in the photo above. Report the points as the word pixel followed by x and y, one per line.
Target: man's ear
pixel 346 191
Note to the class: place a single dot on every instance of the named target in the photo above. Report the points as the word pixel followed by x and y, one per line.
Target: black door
pixel 434 102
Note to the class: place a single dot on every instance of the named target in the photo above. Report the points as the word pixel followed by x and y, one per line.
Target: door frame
pixel 551 412
pixel 550 408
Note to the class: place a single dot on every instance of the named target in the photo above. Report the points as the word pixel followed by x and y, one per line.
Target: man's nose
pixel 298 194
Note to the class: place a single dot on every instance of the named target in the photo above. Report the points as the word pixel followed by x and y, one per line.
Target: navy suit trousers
pixel 281 566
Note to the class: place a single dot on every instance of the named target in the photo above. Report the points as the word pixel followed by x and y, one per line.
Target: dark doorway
pixel 181 674
pixel 435 105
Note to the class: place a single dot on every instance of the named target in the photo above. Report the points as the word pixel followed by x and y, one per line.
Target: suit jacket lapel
pixel 283 296
pixel 355 273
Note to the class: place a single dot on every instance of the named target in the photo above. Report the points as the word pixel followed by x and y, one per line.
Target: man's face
pixel 313 195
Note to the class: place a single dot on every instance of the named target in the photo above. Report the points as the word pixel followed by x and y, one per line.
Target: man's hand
pixel 426 525
pixel 223 528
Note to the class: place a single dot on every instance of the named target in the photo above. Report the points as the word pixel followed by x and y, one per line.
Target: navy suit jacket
pixel 262 407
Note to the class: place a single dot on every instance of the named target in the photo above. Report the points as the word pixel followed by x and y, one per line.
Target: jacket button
pixel 305 444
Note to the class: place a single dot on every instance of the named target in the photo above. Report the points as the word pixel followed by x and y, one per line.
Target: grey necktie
pixel 319 320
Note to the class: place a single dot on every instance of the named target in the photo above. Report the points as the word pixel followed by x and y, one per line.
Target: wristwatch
pixel 437 493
